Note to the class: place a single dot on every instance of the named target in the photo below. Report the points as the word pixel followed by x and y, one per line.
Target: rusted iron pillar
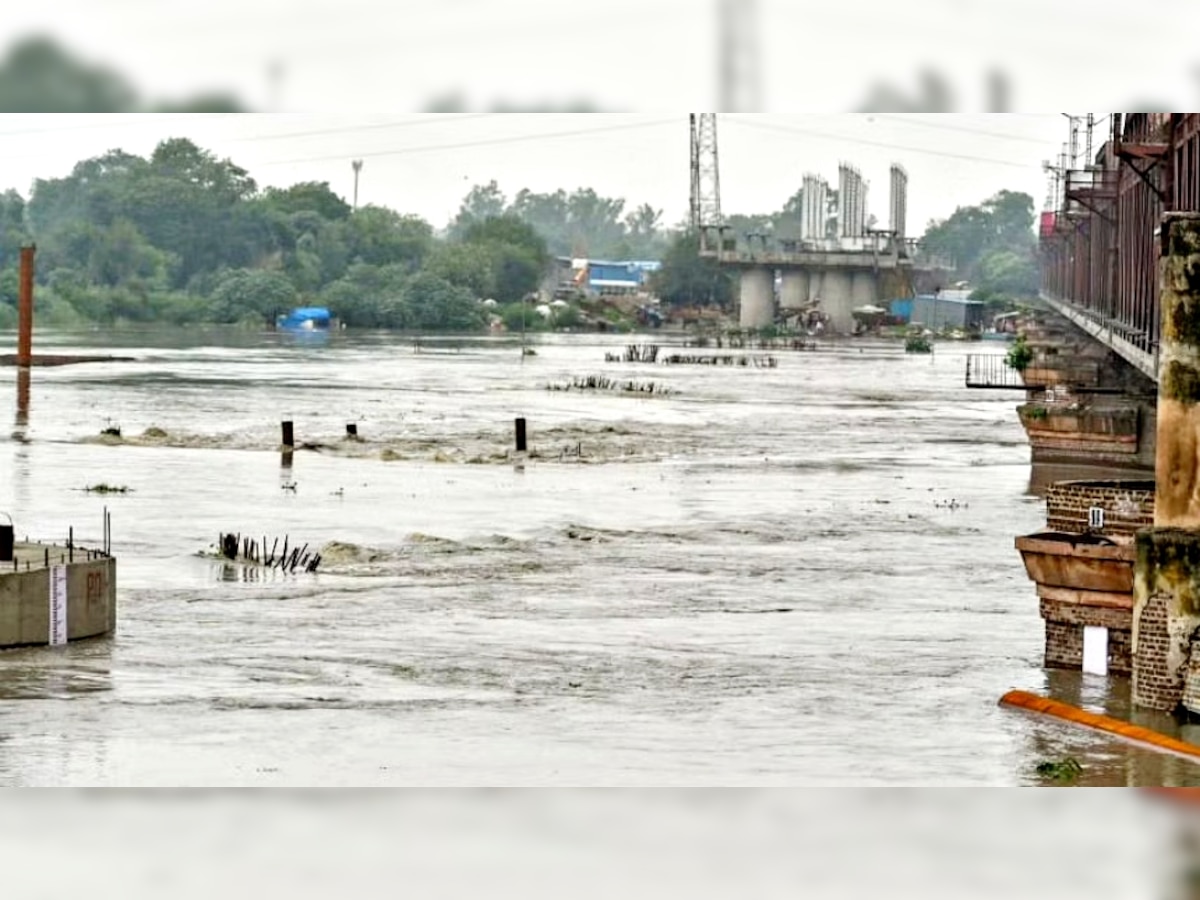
pixel 1166 614
pixel 25 308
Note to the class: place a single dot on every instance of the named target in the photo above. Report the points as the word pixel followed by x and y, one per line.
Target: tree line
pixel 184 237
pixel 992 244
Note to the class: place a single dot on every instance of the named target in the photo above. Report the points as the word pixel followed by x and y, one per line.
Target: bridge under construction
pixel 834 263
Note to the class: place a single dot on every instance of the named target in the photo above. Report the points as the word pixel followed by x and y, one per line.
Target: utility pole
pixel 357 164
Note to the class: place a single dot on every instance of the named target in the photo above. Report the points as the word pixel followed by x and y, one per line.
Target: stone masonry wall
pixel 1153 683
pixel 1127 507
pixel 1064 634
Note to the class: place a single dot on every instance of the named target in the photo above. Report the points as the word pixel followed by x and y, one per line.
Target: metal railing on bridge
pixel 1074 375
pixel 991 370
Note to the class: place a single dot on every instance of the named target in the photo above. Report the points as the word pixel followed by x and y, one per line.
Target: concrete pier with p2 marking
pixel 27 600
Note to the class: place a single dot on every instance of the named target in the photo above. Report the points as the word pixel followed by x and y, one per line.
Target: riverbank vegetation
pixel 993 247
pixel 182 237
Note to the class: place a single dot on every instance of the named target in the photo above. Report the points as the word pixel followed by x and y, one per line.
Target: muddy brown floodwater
pixel 792 575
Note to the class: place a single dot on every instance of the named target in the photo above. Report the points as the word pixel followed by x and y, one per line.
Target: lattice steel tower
pixel 705 206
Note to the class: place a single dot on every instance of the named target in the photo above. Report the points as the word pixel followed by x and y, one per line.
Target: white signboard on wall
pixel 1095 650
pixel 58 605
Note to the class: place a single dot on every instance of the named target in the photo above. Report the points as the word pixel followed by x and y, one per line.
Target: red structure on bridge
pixel 1099 249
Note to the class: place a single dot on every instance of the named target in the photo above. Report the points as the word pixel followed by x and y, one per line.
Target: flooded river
pixel 793 575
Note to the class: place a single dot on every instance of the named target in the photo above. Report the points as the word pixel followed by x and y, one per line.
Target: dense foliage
pixel 992 245
pixel 686 279
pixel 185 237
pixel 579 224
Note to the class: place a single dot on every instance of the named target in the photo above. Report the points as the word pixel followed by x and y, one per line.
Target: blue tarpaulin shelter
pixel 305 318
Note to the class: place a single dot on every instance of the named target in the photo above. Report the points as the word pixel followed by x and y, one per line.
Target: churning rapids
pixel 793 575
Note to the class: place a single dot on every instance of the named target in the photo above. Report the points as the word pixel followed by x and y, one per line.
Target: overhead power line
pixel 888 145
pixel 943 126
pixel 432 119
pixel 486 142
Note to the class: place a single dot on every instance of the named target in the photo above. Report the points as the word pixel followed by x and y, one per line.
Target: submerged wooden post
pixel 25 308
pixel 520 435
pixel 351 429
pixel 288 437
pixel 1166 613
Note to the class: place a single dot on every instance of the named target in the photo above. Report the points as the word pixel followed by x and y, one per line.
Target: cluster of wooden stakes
pixel 235 547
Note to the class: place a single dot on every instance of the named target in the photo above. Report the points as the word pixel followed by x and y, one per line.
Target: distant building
pixel 606 277
pixel 949 309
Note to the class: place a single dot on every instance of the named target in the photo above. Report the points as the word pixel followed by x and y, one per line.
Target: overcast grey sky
pixel 631 55
pixel 424 164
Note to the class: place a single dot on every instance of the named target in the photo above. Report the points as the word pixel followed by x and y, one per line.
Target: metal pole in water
pixel 25 307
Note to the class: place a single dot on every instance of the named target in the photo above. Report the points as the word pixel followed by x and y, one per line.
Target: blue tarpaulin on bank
pixel 305 318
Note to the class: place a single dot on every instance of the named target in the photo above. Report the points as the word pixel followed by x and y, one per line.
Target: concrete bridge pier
pixel 793 289
pixel 864 289
pixel 756 298
pixel 837 299
pixel 1166 612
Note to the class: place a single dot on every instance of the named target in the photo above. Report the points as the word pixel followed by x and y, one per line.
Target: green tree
pixel 594 223
pixel 119 254
pixel 516 254
pixel 469 266
pixel 643 232
pixel 308 196
pixel 687 279
pixel 507 229
pixel 514 314
pixel 10 286
pixel 370 297
pixel 547 213
pixel 1002 222
pixel 435 304
pixel 243 295
pixel 382 237
pixel 483 201
pixel 1010 272
pixel 13 232
pixel 182 160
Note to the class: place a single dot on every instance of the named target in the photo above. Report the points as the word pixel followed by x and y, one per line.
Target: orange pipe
pixel 1068 713
pixel 25 309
